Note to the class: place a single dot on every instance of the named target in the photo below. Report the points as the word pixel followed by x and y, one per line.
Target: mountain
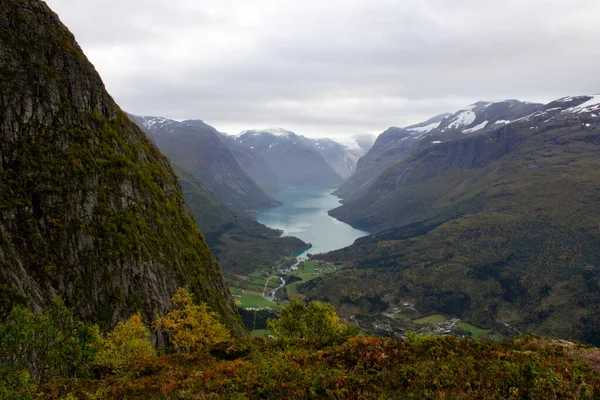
pixel 89 208
pixel 363 142
pixel 295 163
pixel 198 149
pixel 339 157
pixel 253 164
pixel 240 244
pixel 498 225
pixel 395 144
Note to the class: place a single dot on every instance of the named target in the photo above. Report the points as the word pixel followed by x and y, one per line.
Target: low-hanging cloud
pixel 335 67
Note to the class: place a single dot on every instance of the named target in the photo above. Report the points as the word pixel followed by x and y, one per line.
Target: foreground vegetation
pixel 313 355
pixel 359 368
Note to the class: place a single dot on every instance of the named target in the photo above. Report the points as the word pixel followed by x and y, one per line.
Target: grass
pixel 249 300
pixel 292 288
pixel 235 291
pixel 431 319
pixel 309 271
pixel 260 333
pixel 475 331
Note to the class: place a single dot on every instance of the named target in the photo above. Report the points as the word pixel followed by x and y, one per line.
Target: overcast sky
pixel 334 67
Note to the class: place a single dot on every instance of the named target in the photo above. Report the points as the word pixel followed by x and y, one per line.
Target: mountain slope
pixel 295 163
pixel 89 208
pixel 339 157
pixel 253 164
pixel 198 149
pixel 395 144
pixel 498 226
pixel 240 244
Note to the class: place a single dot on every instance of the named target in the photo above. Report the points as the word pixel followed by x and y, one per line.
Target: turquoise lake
pixel 304 215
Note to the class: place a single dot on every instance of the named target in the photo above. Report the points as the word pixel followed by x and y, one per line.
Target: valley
pixel 303 214
pixel 160 257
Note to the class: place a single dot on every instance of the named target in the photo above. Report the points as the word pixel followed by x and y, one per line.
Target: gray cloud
pixel 335 67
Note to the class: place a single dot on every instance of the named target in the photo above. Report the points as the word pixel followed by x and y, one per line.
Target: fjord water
pixel 304 215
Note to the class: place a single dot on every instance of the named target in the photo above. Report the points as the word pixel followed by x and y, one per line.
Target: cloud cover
pixel 333 68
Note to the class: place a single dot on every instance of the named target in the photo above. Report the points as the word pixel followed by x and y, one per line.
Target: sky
pixel 333 68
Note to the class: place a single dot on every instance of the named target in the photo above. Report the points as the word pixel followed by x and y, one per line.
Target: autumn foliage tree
pixel 317 322
pixel 127 343
pixel 191 327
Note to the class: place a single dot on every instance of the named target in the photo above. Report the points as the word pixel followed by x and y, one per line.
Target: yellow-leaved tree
pixel 317 322
pixel 191 327
pixel 127 343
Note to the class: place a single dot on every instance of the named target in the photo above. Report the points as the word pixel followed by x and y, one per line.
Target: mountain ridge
pixel 395 143
pixel 197 148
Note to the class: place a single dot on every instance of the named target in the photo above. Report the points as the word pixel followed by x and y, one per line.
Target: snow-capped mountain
pixel 395 143
pixel 197 148
pixel 296 160
pixel 339 157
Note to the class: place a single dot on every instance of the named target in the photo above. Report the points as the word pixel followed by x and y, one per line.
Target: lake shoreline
pixel 304 214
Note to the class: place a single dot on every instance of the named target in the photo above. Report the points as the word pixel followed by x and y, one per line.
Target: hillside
pixel 498 226
pixel 253 164
pixel 342 159
pixel 199 150
pixel 395 144
pixel 89 208
pixel 240 244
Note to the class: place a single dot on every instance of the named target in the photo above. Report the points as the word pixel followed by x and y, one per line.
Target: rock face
pixel 89 208
pixel 199 150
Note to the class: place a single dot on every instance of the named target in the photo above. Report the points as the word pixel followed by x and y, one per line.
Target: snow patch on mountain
pixel 426 128
pixel 280 132
pixel 593 104
pixel 464 118
pixel 476 128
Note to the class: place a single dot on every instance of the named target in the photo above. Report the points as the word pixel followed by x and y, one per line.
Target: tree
pixel 317 322
pixel 191 327
pixel 127 343
pixel 35 347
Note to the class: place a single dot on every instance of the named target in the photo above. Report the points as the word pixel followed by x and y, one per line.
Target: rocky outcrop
pixel 89 208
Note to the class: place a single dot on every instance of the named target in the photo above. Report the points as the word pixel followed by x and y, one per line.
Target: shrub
pixel 126 344
pixel 49 344
pixel 317 322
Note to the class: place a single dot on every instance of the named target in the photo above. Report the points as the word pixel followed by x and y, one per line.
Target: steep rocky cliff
pixel 89 208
